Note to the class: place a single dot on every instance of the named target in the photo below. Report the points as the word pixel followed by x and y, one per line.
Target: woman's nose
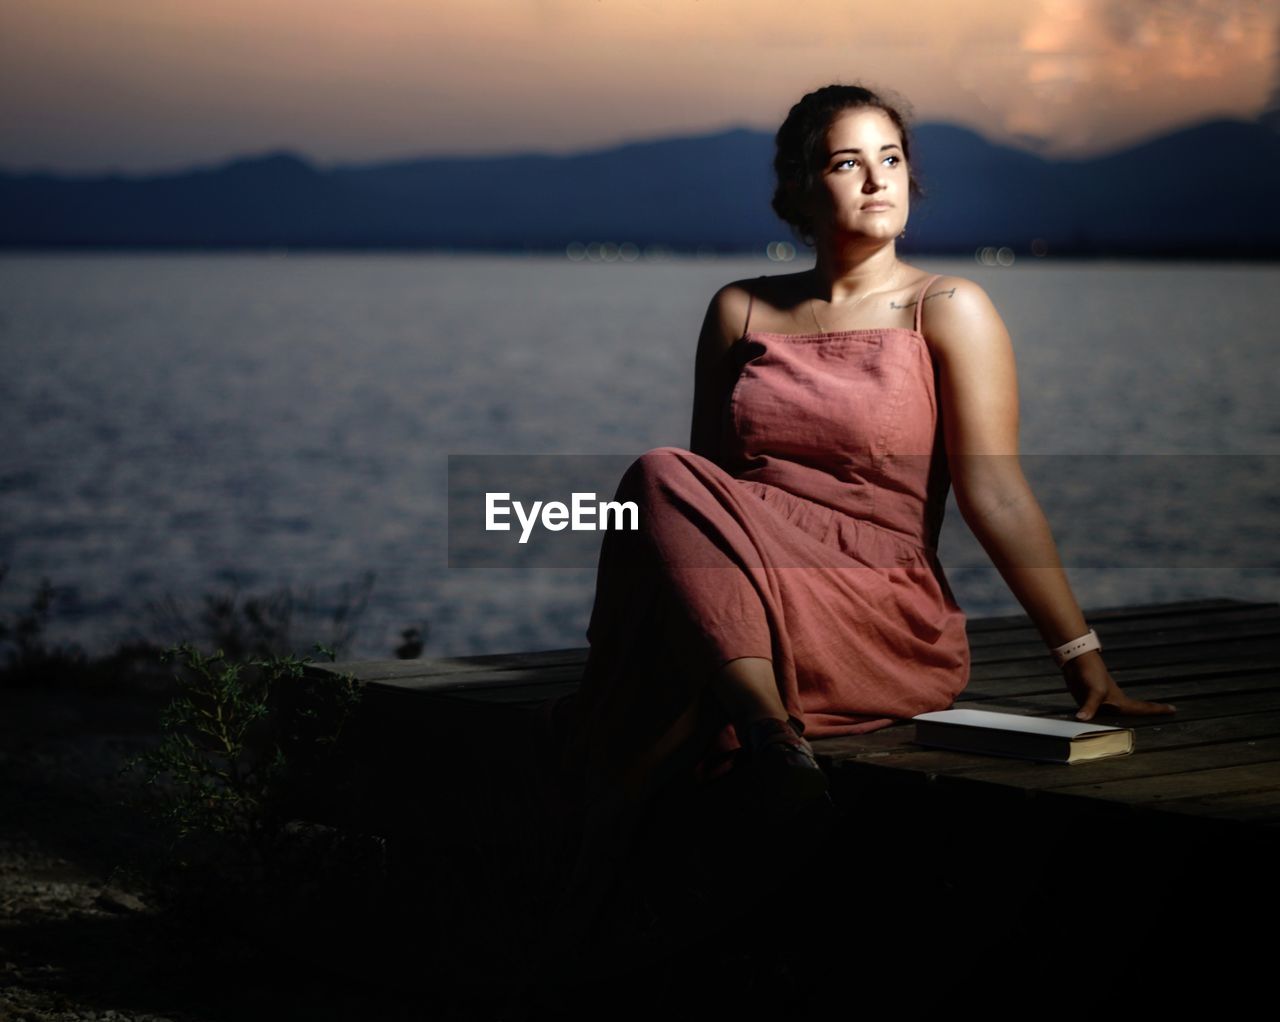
pixel 873 182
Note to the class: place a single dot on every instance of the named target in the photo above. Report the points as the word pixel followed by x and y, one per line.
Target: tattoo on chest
pixel 949 293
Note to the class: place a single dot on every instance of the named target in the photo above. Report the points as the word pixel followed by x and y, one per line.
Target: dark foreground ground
pixel 881 905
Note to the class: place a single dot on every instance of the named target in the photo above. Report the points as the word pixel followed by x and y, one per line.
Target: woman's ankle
pixel 761 730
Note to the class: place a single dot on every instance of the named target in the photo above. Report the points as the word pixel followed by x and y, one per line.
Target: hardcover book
pixel 1021 736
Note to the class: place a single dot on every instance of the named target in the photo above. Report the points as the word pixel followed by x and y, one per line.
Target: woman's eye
pixel 892 161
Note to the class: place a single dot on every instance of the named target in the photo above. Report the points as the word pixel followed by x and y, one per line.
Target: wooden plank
pixel 1169 792
pixel 1257 651
pixel 1262 649
pixel 434 674
pixel 1050 698
pixel 1049 694
pixel 1258 619
pixel 476 681
pixel 1249 673
pixel 1203 609
pixel 1257 806
pixel 1114 775
pixel 1194 698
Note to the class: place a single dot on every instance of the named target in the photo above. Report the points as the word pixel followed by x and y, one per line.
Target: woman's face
pixel 862 188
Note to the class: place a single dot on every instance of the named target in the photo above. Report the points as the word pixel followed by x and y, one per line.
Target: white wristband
pixel 1071 650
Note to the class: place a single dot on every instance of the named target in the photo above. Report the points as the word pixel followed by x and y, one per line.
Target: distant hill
pixel 1203 191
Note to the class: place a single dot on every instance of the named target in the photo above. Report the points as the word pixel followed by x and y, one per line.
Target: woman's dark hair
pixel 801 148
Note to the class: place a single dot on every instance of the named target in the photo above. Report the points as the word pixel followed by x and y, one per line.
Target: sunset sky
pixel 88 85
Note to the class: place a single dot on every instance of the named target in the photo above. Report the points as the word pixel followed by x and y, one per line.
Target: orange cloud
pixel 1092 70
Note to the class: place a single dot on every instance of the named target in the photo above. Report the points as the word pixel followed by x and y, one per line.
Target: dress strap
pixel 751 297
pixel 920 302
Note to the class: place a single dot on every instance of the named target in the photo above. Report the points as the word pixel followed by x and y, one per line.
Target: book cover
pixel 1022 736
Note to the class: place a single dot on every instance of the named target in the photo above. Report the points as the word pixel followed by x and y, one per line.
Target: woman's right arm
pixel 713 369
pixel 978 394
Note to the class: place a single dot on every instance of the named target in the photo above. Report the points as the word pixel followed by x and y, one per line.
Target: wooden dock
pixel 1169 854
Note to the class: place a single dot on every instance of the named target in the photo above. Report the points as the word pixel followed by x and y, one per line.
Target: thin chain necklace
pixel 813 311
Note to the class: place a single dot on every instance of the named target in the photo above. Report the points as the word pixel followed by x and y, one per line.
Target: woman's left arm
pixel 978 394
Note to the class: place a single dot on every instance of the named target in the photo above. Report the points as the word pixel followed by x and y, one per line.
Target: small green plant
pixel 236 742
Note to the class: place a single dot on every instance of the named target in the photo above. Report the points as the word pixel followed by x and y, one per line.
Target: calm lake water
pixel 176 425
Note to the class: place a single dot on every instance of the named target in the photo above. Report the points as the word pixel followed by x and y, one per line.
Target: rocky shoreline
pixel 84 935
pixel 62 896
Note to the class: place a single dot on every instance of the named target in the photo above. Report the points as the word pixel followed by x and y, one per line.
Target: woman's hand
pixel 1091 685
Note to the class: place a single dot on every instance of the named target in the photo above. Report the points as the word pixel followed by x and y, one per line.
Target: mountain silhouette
pixel 1203 191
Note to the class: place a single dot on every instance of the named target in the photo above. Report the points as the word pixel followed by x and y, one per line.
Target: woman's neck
pixel 853 272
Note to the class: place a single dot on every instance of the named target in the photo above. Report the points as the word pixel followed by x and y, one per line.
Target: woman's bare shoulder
pixel 730 302
pixel 965 332
pixel 734 300
pixel 953 305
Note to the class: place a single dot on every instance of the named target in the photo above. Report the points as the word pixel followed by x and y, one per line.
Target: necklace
pixel 813 310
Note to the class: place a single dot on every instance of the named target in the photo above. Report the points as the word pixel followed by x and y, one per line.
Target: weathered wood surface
pixel 1217 761
pixel 1136 878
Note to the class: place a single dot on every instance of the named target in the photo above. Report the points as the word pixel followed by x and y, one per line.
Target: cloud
pixel 1088 68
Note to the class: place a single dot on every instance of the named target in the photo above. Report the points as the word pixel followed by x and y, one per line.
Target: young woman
pixel 785 581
